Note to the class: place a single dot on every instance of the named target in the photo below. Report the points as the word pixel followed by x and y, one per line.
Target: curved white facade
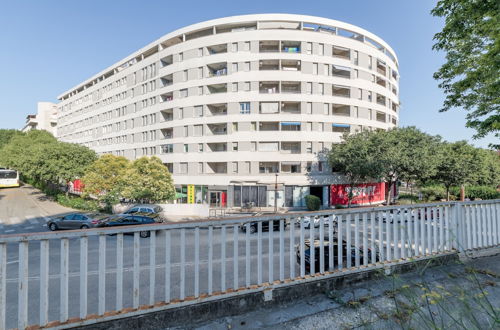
pixel 232 101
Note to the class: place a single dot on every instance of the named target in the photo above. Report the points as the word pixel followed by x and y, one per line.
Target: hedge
pixel 313 203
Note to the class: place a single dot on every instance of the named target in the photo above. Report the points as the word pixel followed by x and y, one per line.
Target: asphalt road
pixel 26 210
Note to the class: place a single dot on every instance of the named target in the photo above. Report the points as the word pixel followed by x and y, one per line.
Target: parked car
pixel 316 221
pixel 76 221
pixel 307 254
pixel 149 210
pixel 128 220
pixel 265 226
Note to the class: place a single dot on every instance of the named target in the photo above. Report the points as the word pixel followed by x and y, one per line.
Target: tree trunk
pixel 447 193
pixel 388 192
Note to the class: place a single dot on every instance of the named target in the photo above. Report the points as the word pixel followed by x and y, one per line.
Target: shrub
pixel 482 192
pixel 78 203
pixel 433 192
pixel 313 203
pixel 340 206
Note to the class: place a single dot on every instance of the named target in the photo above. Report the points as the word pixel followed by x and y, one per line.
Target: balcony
pixel 217 88
pixel 269 126
pixel 166 61
pixel 217 49
pixel 381 67
pixel 341 91
pixel 269 46
pixel 216 168
pixel 219 109
pixel 341 110
pixel 290 65
pixel 217 147
pixel 290 46
pixel 265 65
pixel 167 80
pixel 290 126
pixel 217 69
pixel 167 133
pixel 381 99
pixel 167 115
pixel 167 97
pixel 290 107
pixel 269 107
pixel 290 167
pixel 341 52
pixel 290 148
pixel 269 87
pixel 341 128
pixel 381 82
pixel 290 87
pixel 380 117
pixel 341 71
pixel 217 129
pixel 394 90
pixel 268 167
pixel 394 107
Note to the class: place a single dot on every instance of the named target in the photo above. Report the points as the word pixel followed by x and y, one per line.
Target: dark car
pixel 128 220
pixel 149 210
pixel 307 255
pixel 76 221
pixel 265 226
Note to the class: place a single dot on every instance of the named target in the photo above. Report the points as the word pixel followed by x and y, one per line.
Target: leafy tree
pixel 486 167
pixel 456 165
pixel 470 76
pixel 404 154
pixel 6 135
pixel 104 178
pixel 24 152
pixel 355 159
pixel 147 179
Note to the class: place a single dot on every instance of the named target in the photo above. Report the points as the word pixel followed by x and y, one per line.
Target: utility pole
pixel 276 194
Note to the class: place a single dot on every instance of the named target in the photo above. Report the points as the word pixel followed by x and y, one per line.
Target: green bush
pixel 481 192
pixel 78 203
pixel 313 203
pixel 340 206
pixel 433 192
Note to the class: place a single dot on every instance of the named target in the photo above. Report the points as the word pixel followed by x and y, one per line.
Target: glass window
pixel 244 107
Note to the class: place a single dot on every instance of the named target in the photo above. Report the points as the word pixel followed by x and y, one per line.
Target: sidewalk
pixel 459 296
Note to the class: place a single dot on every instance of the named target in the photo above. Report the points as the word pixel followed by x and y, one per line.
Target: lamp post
pixel 276 194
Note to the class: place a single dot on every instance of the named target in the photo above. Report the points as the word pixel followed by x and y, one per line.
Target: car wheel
pixel 253 229
pixel 144 234
pixel 53 227
pixel 84 227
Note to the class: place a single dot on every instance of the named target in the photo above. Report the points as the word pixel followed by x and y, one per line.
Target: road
pixel 25 210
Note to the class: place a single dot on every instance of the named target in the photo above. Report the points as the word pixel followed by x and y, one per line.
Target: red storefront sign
pixel 365 193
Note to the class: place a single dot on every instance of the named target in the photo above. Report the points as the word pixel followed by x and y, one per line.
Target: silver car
pixel 76 221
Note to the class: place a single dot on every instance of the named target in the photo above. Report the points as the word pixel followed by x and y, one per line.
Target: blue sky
pixel 50 46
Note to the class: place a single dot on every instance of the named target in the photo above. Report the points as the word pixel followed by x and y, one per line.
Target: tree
pixel 355 160
pixel 470 76
pixel 404 154
pixel 456 165
pixel 104 178
pixel 147 179
pixel 6 135
pixel 486 165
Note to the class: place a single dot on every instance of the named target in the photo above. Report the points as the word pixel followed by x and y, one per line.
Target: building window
pixel 183 168
pixel 181 57
pixel 309 147
pixel 200 52
pixel 185 75
pixel 234 47
pixel 200 168
pixel 309 88
pixel 253 146
pixel 167 148
pixel 235 167
pixel 315 68
pixel 186 131
pixel 200 72
pixel 253 126
pixel 321 49
pixel 200 147
pixel 198 111
pixel 235 67
pixel 245 108
pixel 246 46
pixel 235 146
pixel 235 127
pixel 246 66
pixel 326 109
pixel 309 108
pixel 235 87
pixel 309 48
pixel 246 86
pixel 186 148
pixel 181 113
pixel 321 88
pixel 184 92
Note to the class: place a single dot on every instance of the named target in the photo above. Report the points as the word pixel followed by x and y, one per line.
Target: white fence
pixel 70 278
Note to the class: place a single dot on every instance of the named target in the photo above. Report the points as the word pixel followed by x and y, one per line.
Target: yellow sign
pixel 190 194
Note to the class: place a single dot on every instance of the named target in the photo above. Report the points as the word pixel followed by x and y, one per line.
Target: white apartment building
pixel 45 118
pixel 235 105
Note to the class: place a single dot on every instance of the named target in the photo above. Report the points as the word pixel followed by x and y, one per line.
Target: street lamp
pixel 276 194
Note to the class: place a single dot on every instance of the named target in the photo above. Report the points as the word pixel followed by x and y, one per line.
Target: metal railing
pixel 86 276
